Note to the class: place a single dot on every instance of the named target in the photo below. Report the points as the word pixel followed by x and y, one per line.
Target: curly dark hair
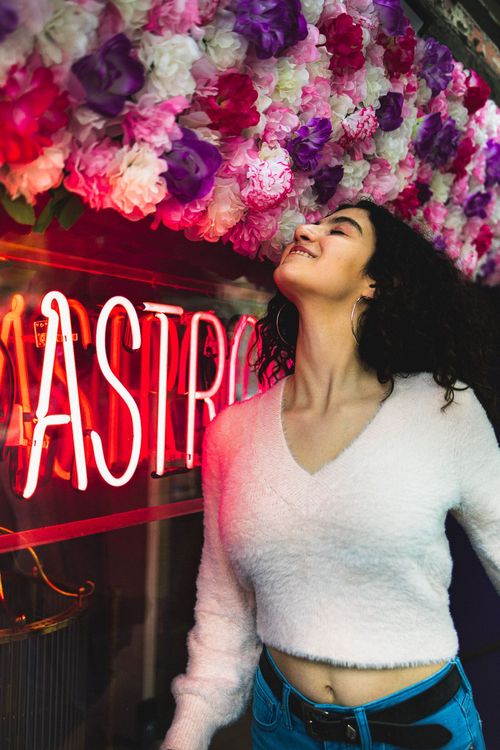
pixel 426 315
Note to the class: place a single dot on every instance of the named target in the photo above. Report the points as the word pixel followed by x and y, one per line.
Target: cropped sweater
pixel 349 565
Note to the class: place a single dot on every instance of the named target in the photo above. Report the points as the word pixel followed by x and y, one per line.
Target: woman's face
pixel 340 245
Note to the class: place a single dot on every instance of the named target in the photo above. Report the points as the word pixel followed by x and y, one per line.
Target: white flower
pixel 14 49
pixel 134 177
pixel 354 172
pixel 133 12
pixel 311 10
pixel 456 218
pixel 393 145
pixel 377 84
pixel 40 175
pixel 269 178
pixel 168 62
pixel 424 93
pixel 291 79
pixel 440 186
pixel 320 67
pixel 459 113
pixel 224 46
pixel 69 32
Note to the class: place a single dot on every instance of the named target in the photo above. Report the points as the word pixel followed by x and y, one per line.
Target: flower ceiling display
pixel 238 120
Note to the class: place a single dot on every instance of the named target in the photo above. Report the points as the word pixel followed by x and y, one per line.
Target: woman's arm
pixel 223 647
pixel 477 456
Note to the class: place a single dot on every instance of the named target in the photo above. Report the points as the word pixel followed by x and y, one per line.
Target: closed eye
pixel 336 231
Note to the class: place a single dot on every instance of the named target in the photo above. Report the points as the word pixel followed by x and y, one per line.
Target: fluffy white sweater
pixel 349 565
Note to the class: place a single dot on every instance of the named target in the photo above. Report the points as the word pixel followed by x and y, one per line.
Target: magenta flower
pixel 109 75
pixel 389 113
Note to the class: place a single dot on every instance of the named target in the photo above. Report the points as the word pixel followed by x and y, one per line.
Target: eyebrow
pixel 341 219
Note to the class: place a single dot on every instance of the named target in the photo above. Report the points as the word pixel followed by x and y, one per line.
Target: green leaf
pixel 18 209
pixel 45 216
pixel 70 212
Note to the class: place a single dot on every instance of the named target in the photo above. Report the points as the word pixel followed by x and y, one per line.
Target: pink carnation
pixel 254 229
pixel 460 189
pixel 435 214
pixel 306 50
pixel 174 16
pixel 153 123
pixel 452 242
pixel 280 122
pixel 438 104
pixel 358 126
pixel 176 215
pixel 269 181
pixel 315 99
pixel 458 84
pixel 380 182
pixel 88 172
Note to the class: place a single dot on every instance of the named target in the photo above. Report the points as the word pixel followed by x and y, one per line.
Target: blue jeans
pixel 275 727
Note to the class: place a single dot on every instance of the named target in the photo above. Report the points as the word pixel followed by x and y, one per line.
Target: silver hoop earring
pixel 352 317
pixel 287 343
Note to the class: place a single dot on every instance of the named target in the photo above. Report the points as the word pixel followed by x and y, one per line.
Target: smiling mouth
pixel 298 250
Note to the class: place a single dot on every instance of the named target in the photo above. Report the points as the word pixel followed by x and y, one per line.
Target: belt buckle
pixel 349 724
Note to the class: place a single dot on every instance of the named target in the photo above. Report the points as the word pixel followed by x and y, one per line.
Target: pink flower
pixel 438 104
pixel 358 126
pixel 88 172
pixel 435 214
pixel 305 51
pixel 176 16
pixel 458 83
pixel 280 122
pixel 315 99
pixel 483 240
pixel 269 181
pixel 381 183
pixel 153 123
pixel 255 228
pixel 460 189
pixel 176 215
pixel 452 242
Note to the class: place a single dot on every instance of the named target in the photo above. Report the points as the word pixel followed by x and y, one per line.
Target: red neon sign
pixel 135 366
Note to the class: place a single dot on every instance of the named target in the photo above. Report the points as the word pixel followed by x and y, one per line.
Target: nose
pixel 305 232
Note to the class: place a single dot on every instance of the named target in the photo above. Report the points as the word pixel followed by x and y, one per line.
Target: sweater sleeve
pixel 477 456
pixel 223 646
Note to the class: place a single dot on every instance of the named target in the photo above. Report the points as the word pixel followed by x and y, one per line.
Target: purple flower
pixel 436 65
pixel 9 19
pixel 389 112
pixel 391 17
pixel 486 268
pixel 426 132
pixel 445 143
pixel 326 182
pixel 439 242
pixel 492 163
pixel 192 164
pixel 476 203
pixel 109 75
pixel 435 141
pixel 306 143
pixel 272 25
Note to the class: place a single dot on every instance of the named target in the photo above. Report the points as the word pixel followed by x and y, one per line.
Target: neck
pixel 328 369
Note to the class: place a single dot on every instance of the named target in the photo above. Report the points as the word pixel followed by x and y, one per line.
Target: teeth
pixel 300 252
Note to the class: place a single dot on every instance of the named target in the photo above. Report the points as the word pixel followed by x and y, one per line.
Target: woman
pixel 325 566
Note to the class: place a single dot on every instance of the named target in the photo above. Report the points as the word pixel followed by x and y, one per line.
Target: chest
pixel 316 440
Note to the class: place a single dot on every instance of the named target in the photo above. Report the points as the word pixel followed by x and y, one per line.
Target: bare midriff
pixel 322 682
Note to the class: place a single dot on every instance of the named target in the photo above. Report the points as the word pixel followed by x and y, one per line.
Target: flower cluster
pixel 236 120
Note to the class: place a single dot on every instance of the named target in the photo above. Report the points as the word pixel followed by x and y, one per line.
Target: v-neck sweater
pixel 349 565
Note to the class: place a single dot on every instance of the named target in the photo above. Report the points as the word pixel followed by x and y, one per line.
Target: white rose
pixel 14 49
pixel 133 12
pixel 393 145
pixel 455 218
pixel 440 186
pixel 377 84
pixel 69 32
pixel 168 63
pixel 224 46
pixel 354 172
pixel 134 177
pixel 459 113
pixel 311 10
pixel 291 80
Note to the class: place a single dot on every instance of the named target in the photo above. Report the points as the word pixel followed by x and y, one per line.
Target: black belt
pixel 391 725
